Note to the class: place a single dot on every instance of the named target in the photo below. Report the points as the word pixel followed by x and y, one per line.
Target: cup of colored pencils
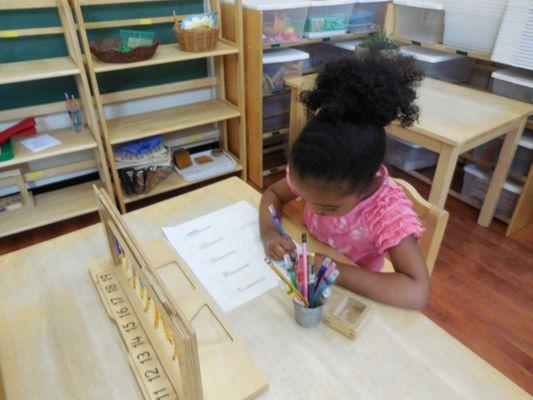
pixel 308 285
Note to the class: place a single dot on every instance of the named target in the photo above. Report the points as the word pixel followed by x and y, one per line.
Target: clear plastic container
pixel 348 45
pixel 421 21
pixel 283 21
pixel 281 64
pixel 475 185
pixel 276 112
pixel 523 157
pixel 408 156
pixel 328 18
pixel 515 83
pixel 473 25
pixel 440 65
pixel 367 16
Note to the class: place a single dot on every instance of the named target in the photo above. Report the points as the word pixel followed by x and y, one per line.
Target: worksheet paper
pixel 225 252
pixel 40 143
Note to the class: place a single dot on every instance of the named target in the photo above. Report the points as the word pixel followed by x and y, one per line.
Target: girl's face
pixel 323 201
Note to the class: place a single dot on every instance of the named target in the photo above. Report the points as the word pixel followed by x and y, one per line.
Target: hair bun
pixel 367 88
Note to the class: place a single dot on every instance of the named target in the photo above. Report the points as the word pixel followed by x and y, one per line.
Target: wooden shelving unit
pixel 227 109
pixel 70 201
pixel 265 160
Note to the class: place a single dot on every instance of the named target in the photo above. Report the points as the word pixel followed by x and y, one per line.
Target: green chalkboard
pixel 35 47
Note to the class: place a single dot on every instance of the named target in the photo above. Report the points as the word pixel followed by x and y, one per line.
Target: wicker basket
pixel 196 40
pixel 106 50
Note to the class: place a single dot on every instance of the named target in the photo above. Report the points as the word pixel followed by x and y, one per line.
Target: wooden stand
pixel 225 110
pixel 14 178
pixel 75 200
pixel 346 314
pixel 178 343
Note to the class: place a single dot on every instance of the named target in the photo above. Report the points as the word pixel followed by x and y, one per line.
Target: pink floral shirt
pixel 373 226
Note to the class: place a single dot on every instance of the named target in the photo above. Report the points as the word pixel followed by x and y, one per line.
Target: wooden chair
pixel 434 220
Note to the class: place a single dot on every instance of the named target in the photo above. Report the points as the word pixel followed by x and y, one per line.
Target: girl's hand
pixel 275 246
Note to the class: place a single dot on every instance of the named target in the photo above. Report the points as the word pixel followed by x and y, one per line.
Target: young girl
pixel 335 166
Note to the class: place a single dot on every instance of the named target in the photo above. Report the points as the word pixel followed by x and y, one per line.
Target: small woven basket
pixel 106 50
pixel 195 40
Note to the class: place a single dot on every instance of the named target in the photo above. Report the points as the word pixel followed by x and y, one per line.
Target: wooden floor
pixel 482 284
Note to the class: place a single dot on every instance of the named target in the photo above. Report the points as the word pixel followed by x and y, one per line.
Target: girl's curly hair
pixel 369 88
pixel 343 145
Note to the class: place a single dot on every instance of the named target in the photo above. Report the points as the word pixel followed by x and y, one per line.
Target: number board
pixel 170 327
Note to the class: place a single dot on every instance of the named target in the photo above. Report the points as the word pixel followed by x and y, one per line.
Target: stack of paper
pixel 514 45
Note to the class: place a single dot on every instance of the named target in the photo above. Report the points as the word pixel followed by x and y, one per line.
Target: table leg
pixel 298 116
pixel 500 174
pixel 443 175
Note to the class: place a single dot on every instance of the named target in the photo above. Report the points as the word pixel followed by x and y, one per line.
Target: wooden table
pixel 57 342
pixel 453 119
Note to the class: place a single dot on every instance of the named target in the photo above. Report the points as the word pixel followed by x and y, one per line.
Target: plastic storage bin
pixel 515 83
pixel 408 156
pixel 421 21
pixel 475 185
pixel 348 45
pixel 283 21
pixel 473 25
pixel 276 112
pixel 281 64
pixel 523 157
pixel 367 16
pixel 328 18
pixel 440 65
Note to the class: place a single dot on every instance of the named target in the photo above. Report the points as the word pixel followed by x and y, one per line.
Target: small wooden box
pixel 347 315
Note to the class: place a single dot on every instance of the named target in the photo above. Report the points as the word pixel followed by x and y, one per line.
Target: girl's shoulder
pixel 388 214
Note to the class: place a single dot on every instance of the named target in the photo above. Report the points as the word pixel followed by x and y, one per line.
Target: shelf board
pixel 167 120
pixel 172 182
pixel 167 53
pixel 71 142
pixel 20 5
pixel 45 68
pixel 50 207
pixel 471 54
pixel 349 36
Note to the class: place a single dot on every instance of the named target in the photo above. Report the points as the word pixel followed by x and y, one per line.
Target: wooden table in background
pixel 57 342
pixel 453 120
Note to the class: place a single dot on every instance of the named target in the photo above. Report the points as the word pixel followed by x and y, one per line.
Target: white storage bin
pixel 515 83
pixel 328 18
pixel 475 185
pixel 408 156
pixel 473 25
pixel 523 157
pixel 276 112
pixel 367 16
pixel 283 21
pixel 281 64
pixel 421 21
pixel 440 65
pixel 348 45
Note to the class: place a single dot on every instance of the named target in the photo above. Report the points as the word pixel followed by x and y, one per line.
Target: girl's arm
pixel 407 287
pixel 278 194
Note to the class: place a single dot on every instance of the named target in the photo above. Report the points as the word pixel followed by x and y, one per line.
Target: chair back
pixel 433 218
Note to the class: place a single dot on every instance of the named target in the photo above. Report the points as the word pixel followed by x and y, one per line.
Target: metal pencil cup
pixel 307 317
